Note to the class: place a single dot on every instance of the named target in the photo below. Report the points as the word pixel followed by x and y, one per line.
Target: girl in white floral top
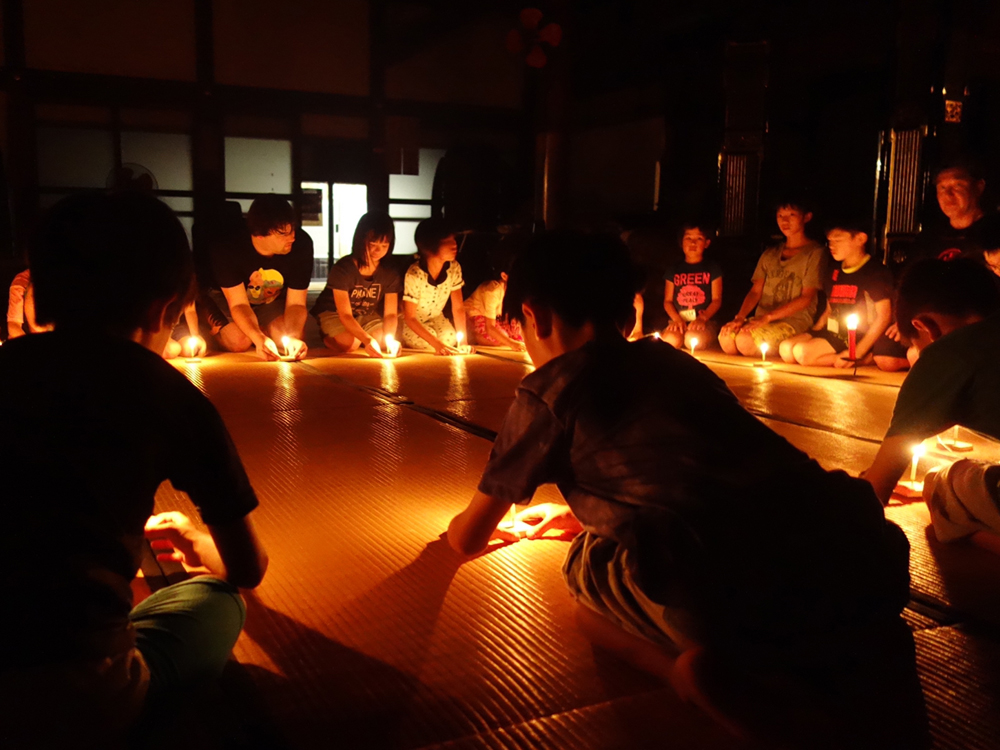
pixel 428 284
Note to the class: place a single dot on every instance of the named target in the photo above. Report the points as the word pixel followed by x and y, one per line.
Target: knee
pixel 674 339
pixel 800 354
pixel 727 343
pixel 786 350
pixel 891 364
pixel 745 344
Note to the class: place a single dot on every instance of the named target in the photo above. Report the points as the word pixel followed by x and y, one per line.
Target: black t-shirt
pixel 944 242
pixel 693 284
pixel 856 293
pixel 702 493
pixel 367 294
pixel 955 381
pixel 235 261
pixel 85 449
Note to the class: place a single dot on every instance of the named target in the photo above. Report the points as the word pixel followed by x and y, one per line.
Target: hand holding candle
pixel 459 346
pixel 392 346
pixel 911 487
pixel 852 336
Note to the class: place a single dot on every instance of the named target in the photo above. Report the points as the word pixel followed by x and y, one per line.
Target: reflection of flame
pixel 390 377
pixel 458 386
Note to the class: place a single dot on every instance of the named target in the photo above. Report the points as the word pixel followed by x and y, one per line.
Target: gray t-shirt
pixel 784 280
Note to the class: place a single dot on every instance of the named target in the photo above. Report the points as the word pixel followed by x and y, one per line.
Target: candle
pixel 918 451
pixel 287 343
pixel 392 346
pixel 656 335
pixel 694 343
pixel 458 340
pixel 763 352
pixel 852 336
pixel 192 347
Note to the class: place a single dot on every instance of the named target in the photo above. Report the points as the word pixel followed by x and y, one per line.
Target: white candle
pixel 694 343
pixel 763 352
pixel 287 343
pixel 192 346
pixel 918 451
pixel 458 340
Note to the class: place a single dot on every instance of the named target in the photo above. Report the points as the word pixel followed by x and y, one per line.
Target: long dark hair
pixel 373 225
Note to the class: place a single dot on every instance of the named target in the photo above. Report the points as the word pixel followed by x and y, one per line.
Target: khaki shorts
pixel 963 498
pixel 770 333
pixel 331 325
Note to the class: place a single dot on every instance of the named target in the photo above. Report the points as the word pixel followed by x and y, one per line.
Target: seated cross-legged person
pixel 784 289
pixel 695 286
pixel 428 285
pixel 701 536
pixel 951 311
pixel 359 304
pixel 857 285
pixel 88 447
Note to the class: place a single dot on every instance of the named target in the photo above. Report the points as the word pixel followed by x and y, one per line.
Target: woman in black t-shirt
pixel 358 306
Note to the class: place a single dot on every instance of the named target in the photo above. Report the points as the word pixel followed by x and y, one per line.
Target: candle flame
pixel 763 348
pixel 192 343
pixel 919 450
pixel 694 343
pixel 458 337
pixel 852 322
pixel 286 342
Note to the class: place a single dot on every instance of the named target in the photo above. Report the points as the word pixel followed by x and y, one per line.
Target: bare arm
pixel 883 316
pixel 494 331
pixel 668 303
pixel 343 302
pixel 471 530
pixel 243 315
pixel 458 312
pixel 390 314
pixel 709 312
pixel 890 462
pixel 790 308
pixel 191 318
pixel 295 312
pixel 751 300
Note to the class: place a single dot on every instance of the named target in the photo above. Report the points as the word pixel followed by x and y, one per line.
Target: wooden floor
pixel 369 632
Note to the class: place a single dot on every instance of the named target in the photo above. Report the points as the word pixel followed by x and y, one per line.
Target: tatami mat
pixel 369 632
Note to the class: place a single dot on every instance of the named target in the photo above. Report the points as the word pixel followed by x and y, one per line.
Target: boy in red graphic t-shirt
pixel 858 285
pixel 693 292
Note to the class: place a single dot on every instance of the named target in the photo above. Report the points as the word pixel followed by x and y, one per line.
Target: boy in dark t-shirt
pixel 698 529
pixel 859 286
pixel 263 271
pixel 951 311
pixel 360 302
pixel 693 293
pixel 89 446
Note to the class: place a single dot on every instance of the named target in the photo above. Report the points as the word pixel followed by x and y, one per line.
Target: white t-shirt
pixel 486 301
pixel 430 298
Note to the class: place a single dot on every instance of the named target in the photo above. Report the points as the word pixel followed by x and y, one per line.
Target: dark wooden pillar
pixel 208 163
pixel 378 179
pixel 21 156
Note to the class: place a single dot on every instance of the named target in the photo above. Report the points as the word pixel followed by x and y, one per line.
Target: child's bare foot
pixel 688 680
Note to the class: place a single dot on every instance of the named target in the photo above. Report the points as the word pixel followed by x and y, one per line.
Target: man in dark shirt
pixel 87 446
pixel 951 310
pixel 959 189
pixel 263 272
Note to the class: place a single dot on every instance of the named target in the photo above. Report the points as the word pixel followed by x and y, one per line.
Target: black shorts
pixel 832 339
pixel 211 319
pixel 886 347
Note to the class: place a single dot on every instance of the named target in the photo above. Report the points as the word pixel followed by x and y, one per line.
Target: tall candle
pixel 852 336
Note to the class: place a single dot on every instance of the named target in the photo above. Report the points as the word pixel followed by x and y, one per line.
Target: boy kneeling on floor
pixel 703 539
pixel 92 421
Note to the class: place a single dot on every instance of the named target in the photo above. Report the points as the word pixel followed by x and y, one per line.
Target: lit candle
pixel 458 340
pixel 392 346
pixel 656 335
pixel 694 343
pixel 852 336
pixel 192 347
pixel 918 451
pixel 763 352
pixel 286 342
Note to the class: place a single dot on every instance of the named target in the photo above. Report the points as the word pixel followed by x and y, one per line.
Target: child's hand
pixel 444 350
pixel 372 349
pixel 893 332
pixel 696 326
pixel 549 516
pixel 844 360
pixel 675 327
pixel 733 327
pixel 173 537
pixel 198 350
pixel 517 346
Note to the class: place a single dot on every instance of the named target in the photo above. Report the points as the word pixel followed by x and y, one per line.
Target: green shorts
pixel 331 325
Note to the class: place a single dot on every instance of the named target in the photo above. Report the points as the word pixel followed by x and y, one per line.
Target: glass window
pixel 416 187
pixel 71 157
pixel 404 237
pixel 166 155
pixel 409 211
pixel 258 165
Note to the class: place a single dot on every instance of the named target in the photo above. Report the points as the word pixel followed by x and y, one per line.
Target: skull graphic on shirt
pixel 264 285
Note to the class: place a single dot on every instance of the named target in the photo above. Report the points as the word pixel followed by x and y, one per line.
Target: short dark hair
pixel 847 224
pixel 269 213
pixel 103 260
pixel 582 277
pixel 702 226
pixel 971 168
pixel 793 199
pixel 374 225
pixel 429 235
pixel 956 287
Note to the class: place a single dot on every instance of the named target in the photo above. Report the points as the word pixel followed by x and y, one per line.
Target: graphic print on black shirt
pixel 856 292
pixel 366 293
pixel 693 286
pixel 236 262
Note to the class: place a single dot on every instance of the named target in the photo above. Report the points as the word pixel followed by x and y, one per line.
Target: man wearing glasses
pixel 264 273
